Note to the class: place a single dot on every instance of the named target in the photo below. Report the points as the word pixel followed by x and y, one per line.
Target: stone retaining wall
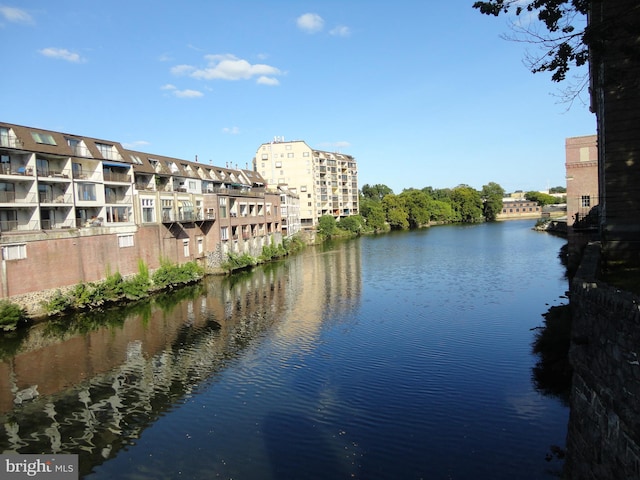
pixel 603 439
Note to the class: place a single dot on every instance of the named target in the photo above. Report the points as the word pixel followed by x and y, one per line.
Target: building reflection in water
pixel 93 383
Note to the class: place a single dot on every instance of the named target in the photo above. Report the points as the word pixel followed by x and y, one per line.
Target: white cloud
pixel 230 67
pixel 340 31
pixel 62 54
pixel 187 93
pixel 15 15
pixel 267 81
pixel 310 22
pixel 182 69
pixel 181 93
pixel 231 131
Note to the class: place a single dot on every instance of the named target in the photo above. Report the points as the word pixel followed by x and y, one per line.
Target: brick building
pixel 75 209
pixel 582 181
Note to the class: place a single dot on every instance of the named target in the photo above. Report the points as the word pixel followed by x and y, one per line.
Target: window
pixel 305 154
pixel 223 207
pixel 148 210
pixel 107 151
pixel 303 188
pixel 288 147
pixel 14 252
pixel 76 170
pixel 185 247
pixel 125 241
pixel 42 167
pixel 117 214
pixel 200 245
pixel 167 210
pixel 4 136
pixel 290 155
pixel 278 164
pixel 192 185
pixel 136 159
pixel 224 233
pixel 586 201
pixel 265 156
pixel 87 192
pixel 43 138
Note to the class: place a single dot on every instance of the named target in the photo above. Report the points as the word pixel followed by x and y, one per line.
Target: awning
pixel 186 205
pixel 113 164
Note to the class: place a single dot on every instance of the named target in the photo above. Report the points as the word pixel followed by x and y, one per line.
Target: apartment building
pixel 289 211
pixel 582 181
pixel 83 207
pixel 326 182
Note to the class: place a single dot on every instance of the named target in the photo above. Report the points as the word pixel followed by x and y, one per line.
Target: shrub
pixel 236 262
pixel 10 315
pixel 169 275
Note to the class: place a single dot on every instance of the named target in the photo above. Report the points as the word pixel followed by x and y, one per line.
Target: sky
pixel 421 93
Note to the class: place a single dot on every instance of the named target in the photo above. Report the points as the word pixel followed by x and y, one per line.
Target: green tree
pixel 417 203
pixel 395 211
pixel 467 204
pixel 541 198
pixel 375 192
pixel 374 214
pixel 353 224
pixel 558 189
pixel 327 225
pixel 441 211
pixel 492 195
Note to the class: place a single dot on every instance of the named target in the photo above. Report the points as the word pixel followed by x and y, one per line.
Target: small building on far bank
pixel 513 208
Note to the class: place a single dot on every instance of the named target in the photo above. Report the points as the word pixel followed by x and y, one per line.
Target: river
pixel 405 355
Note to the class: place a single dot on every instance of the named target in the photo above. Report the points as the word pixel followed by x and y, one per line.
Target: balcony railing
pixel 11 142
pixel 184 217
pixel 53 225
pixel 53 198
pixel 117 177
pixel 15 225
pixel 110 198
pixel 81 151
pixel 51 172
pixel 11 197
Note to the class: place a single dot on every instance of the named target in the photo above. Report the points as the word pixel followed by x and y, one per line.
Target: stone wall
pixel 603 439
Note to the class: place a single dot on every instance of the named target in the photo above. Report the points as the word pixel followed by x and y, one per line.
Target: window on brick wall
pixel 185 247
pixel 125 241
pixel 586 200
pixel 14 252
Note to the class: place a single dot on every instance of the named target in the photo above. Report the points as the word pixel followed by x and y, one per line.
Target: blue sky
pixel 420 93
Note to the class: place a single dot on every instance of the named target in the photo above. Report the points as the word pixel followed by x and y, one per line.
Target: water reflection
pixel 92 383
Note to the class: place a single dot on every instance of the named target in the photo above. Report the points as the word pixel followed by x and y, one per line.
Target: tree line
pixel 381 209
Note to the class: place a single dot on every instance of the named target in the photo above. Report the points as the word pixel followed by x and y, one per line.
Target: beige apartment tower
pixel 326 182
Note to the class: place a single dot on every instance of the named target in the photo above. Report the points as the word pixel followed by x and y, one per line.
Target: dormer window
pixel 43 138
pixel 107 151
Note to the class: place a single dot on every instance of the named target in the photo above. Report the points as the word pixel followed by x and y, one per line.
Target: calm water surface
pixel 405 355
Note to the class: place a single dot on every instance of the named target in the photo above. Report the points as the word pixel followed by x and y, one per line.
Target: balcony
pixel 17 226
pixel 116 199
pixel 11 197
pixel 52 173
pixel 61 198
pixel 80 151
pixel 53 225
pixel 8 169
pixel 116 177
